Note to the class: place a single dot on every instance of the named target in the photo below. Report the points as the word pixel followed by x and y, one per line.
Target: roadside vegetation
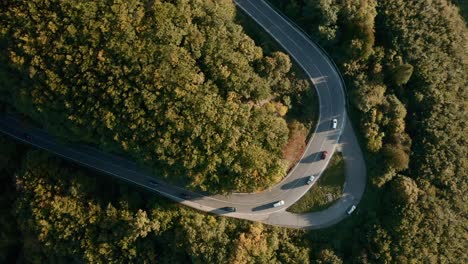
pixel 405 67
pixel 56 212
pixel 303 112
pixel 176 85
pixel 327 189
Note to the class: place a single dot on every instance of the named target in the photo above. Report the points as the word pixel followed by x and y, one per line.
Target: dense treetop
pixel 405 67
pixel 65 215
pixel 405 64
pixel 434 41
pixel 176 84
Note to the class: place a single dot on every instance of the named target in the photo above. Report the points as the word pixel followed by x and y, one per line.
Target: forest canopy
pixel 405 67
pixel 59 213
pixel 404 63
pixel 177 85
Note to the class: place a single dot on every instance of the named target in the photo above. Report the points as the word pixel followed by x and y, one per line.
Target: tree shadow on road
pixel 311 158
pixel 294 184
pixel 333 136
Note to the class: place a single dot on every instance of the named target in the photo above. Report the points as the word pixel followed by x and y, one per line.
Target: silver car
pixel 351 209
pixel 310 180
pixel 278 203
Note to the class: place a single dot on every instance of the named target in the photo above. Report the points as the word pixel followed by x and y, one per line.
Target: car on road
pixel 154 183
pixel 310 180
pixel 229 209
pixel 186 195
pixel 27 136
pixel 324 155
pixel 334 123
pixel 278 203
pixel 351 209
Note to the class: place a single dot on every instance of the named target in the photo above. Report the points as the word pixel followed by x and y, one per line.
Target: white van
pixel 278 203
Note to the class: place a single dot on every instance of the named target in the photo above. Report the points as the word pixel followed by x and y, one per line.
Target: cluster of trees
pixel 66 214
pixel 374 74
pixel 433 39
pixel 177 85
pixel 405 67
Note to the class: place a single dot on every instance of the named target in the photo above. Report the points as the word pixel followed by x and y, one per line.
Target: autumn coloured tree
pixel 176 85
pixel 404 63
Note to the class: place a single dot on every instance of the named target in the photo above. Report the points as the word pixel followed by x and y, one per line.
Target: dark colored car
pixel 154 183
pixel 229 209
pixel 185 195
pixel 27 136
pixel 324 155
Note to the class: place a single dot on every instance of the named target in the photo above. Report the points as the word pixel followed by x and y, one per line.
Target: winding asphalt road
pixel 251 206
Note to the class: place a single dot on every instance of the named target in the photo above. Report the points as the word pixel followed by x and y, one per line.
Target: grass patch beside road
pixel 327 190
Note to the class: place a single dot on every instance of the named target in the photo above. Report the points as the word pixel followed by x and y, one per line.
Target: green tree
pixel 402 74
pixel 328 256
pixel 255 246
pixel 176 85
pixel 396 157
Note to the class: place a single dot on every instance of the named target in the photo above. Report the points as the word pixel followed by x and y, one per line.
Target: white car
pixel 310 180
pixel 351 209
pixel 278 203
pixel 334 123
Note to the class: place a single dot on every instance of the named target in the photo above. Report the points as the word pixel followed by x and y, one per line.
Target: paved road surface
pixel 258 206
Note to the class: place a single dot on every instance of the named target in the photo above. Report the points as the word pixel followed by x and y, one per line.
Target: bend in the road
pixel 256 207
